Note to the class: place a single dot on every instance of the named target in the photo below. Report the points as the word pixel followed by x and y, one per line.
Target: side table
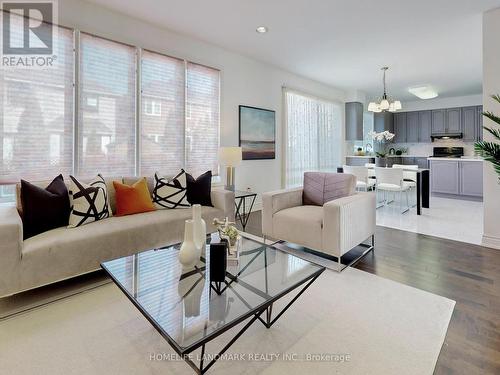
pixel 240 201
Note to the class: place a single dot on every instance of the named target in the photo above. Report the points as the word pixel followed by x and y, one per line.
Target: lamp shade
pixel 230 156
pixel 384 104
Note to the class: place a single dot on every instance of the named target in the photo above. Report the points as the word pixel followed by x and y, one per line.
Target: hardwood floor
pixel 466 273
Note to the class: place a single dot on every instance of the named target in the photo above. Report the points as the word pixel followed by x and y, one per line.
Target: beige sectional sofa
pixel 63 253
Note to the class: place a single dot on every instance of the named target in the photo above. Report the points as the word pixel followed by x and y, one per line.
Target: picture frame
pixel 257 133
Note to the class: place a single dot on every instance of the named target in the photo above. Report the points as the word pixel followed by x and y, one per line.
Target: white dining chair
pixel 361 174
pixel 410 177
pixel 371 170
pixel 390 180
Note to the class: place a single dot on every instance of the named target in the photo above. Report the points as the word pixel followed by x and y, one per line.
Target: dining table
pixel 423 186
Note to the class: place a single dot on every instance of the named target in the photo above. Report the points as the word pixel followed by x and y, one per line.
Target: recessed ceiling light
pixel 423 92
pixel 261 29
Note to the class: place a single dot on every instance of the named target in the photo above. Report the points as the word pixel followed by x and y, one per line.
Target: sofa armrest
pixel 223 200
pixel 11 243
pixel 347 222
pixel 275 201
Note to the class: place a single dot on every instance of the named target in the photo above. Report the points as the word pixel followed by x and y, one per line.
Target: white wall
pixel 438 103
pixel 491 85
pixel 243 80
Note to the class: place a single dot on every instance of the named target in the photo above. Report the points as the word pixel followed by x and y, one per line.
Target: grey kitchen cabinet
pixel 424 126
pixel 445 177
pixel 471 178
pixel 400 127
pixel 394 160
pixel 469 123
pixel 412 126
pixel 438 121
pixel 354 121
pixel 421 162
pixel 383 121
pixel 453 120
pixel 479 122
pixel 408 160
pixel 358 161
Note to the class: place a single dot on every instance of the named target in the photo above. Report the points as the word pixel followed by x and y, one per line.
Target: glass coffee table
pixel 188 311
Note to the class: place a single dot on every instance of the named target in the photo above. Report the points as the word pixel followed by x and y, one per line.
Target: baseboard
pixel 491 242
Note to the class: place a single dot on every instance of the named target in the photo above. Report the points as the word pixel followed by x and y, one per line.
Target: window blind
pixel 178 125
pixel 313 128
pixel 202 119
pixel 36 120
pixel 106 127
pixel 162 118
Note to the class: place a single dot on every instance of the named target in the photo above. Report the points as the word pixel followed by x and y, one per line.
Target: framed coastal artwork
pixel 257 133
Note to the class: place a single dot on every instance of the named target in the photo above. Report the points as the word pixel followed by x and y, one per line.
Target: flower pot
pixel 381 162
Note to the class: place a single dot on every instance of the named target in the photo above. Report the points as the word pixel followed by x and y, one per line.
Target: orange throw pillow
pixel 133 199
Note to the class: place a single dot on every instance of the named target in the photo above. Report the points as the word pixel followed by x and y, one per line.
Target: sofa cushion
pixel 320 188
pixel 79 250
pixel 198 190
pixel 133 199
pixel 301 225
pixel 89 202
pixel 44 209
pixel 109 186
pixel 171 193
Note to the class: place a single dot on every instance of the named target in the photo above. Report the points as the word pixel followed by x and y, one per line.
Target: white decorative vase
pixel 189 253
pixel 199 228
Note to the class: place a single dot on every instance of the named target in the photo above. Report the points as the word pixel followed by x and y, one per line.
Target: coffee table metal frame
pixel 254 313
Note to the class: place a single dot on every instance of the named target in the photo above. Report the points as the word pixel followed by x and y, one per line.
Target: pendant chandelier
pixel 385 103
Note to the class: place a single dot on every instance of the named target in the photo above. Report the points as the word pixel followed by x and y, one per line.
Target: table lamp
pixel 230 157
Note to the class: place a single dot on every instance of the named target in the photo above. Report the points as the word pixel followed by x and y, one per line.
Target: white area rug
pixel 353 323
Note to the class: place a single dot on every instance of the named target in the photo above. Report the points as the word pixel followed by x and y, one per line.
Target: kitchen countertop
pixel 389 156
pixel 466 158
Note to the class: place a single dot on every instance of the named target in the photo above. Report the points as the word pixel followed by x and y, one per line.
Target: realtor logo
pixel 28 33
pixel 27 28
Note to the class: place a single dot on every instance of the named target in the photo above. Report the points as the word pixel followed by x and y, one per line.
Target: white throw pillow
pixel 89 202
pixel 171 193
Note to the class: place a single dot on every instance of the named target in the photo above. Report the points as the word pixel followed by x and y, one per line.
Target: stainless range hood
pixel 447 136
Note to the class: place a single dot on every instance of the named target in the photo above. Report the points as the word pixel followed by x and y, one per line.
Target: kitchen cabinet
pixel 469 123
pixel 424 126
pixel 412 126
pixel 458 178
pixel 479 121
pixel 400 127
pixel 453 120
pixel 354 121
pixel 358 161
pixel 471 178
pixel 438 121
pixel 445 177
pixel 421 162
pixel 383 121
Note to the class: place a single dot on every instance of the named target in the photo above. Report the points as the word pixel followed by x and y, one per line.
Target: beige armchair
pixel 330 230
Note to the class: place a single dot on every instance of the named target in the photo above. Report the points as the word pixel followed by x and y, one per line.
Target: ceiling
pixel 340 43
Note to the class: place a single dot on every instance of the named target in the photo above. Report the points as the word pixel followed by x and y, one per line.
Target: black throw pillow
pixel 44 209
pixel 198 191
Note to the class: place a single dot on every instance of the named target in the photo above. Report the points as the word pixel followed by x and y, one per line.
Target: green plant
pixel 381 154
pixel 491 150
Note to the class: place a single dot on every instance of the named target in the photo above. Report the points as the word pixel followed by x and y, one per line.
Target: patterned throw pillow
pixel 170 193
pixel 89 202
